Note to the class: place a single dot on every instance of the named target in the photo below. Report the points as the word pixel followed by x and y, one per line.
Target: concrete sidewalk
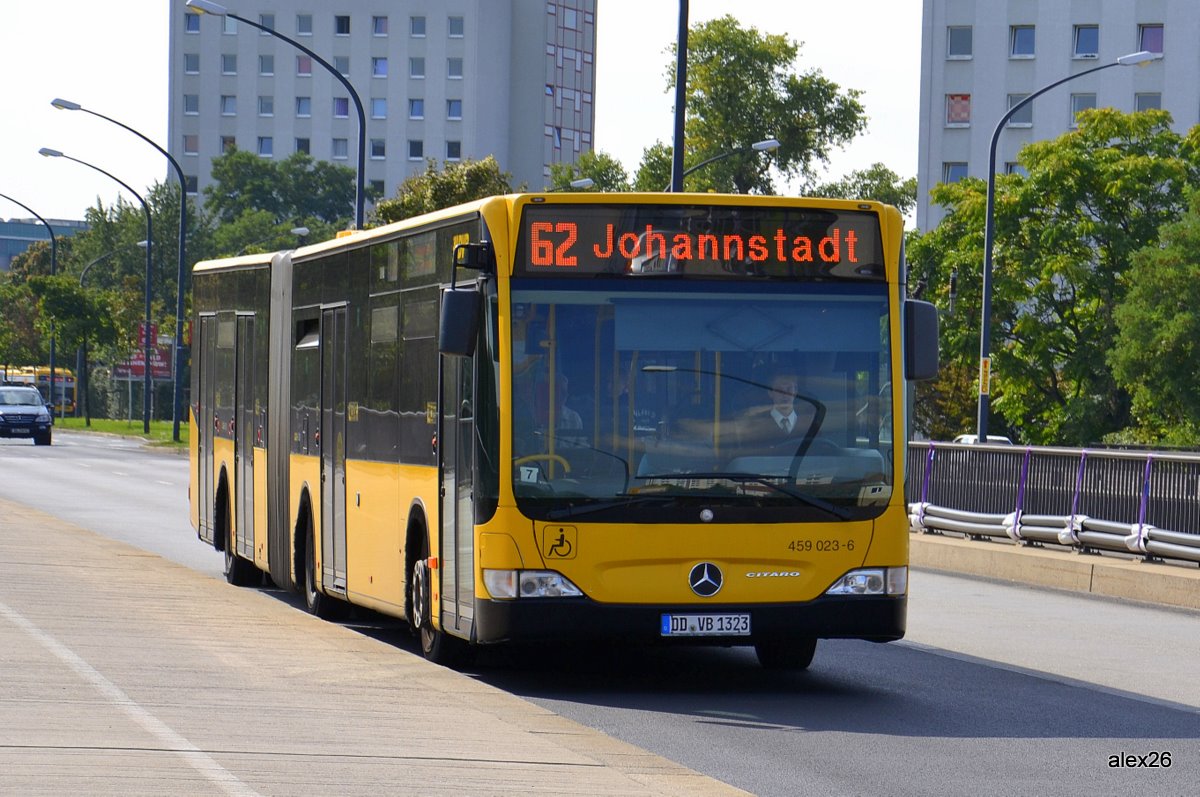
pixel 125 674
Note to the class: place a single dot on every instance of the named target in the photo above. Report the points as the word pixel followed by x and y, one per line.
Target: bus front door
pixel 243 436
pixel 456 449
pixel 205 426
pixel 333 450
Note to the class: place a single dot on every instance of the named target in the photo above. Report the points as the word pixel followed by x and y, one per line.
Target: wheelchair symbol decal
pixel 559 542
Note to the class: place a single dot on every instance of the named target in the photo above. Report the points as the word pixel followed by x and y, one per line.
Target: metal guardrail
pixel 1133 502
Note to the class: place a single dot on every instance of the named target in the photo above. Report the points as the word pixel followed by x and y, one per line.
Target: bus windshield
pixel 655 399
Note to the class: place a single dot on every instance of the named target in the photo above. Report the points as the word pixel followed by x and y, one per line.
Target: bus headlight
pixel 509 584
pixel 872 581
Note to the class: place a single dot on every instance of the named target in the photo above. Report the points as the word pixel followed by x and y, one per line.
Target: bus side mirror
pixel 920 340
pixel 459 325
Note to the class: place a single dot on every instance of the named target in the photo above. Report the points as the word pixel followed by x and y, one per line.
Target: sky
pixel 112 58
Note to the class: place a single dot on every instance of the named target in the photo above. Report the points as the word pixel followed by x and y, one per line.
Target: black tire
pixel 42 439
pixel 317 602
pixel 437 646
pixel 786 654
pixel 238 571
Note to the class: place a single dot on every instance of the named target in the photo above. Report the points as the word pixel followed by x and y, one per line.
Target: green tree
pixel 742 88
pixel 654 171
pixel 294 188
pixel 1065 238
pixel 606 172
pixel 1156 354
pixel 437 188
pixel 877 182
pixel 19 342
pixel 78 315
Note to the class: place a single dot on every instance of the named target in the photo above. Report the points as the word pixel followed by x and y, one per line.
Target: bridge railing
pixel 1133 502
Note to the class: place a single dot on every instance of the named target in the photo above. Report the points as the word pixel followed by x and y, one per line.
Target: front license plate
pixel 21 430
pixel 705 625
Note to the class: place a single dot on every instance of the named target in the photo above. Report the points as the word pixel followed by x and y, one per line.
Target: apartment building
pixel 442 79
pixel 981 57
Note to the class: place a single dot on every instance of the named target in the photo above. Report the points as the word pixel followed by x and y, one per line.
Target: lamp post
pixel 53 271
pixel 218 10
pixel 53 153
pixel 181 273
pixel 766 145
pixel 681 51
pixel 985 360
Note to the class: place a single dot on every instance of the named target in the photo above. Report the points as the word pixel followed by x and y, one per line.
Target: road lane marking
pixel 174 742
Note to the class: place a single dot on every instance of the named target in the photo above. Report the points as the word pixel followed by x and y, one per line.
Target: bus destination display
pixel 594 239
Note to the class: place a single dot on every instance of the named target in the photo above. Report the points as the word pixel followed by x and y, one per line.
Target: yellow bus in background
pixel 535 417
pixel 38 376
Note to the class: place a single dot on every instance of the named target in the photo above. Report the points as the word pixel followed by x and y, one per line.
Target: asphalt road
pixel 997 689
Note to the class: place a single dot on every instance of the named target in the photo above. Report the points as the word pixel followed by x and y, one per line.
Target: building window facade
pixel 1023 117
pixel 416 27
pixel 340 150
pixel 959 42
pixel 228 105
pixel 304 24
pixel 266 65
pixel 454 68
pixel 1087 41
pixel 416 149
pixel 304 107
pixel 958 110
pixel 454 109
pixel 303 66
pixel 379 107
pixel 953 171
pixel 191 104
pixel 1079 104
pixel 416 108
pixel 304 145
pixel 341 25
pixel 379 26
pixel 1147 101
pixel 455 27
pixel 266 105
pixel 378 149
pixel 1150 37
pixel 416 67
pixel 341 107
pixel 453 150
pixel 1021 41
pixel 266 147
pixel 379 67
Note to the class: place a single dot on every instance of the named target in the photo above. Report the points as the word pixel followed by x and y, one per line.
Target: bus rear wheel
pixel 317 602
pixel 786 654
pixel 238 571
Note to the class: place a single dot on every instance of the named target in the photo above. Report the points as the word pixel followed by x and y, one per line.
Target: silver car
pixel 23 413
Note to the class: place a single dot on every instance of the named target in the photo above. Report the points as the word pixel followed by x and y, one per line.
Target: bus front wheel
pixel 437 646
pixel 786 654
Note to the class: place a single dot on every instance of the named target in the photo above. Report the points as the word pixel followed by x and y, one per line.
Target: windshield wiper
pixel 619 502
pixel 808 500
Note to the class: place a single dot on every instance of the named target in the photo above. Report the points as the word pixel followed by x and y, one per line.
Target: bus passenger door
pixel 205 426
pixel 456 449
pixel 332 434
pixel 243 436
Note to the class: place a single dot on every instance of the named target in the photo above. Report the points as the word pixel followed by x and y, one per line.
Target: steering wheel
pixel 539 457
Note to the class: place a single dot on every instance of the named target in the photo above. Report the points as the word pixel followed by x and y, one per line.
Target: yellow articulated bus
pixel 63 401
pixel 641 417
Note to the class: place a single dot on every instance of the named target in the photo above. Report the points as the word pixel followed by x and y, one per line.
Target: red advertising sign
pixel 135 367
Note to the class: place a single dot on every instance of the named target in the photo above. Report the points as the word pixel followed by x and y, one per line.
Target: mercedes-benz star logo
pixel 706 579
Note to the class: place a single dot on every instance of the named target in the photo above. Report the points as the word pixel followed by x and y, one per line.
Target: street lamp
pixel 299 232
pixel 766 145
pixel 53 153
pixel 218 10
pixel 985 360
pixel 582 184
pixel 181 273
pixel 53 271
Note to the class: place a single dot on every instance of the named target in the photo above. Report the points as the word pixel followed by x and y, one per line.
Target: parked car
pixel 993 439
pixel 23 413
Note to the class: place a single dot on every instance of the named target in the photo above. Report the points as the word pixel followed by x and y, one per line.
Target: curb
pixel 1162 583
